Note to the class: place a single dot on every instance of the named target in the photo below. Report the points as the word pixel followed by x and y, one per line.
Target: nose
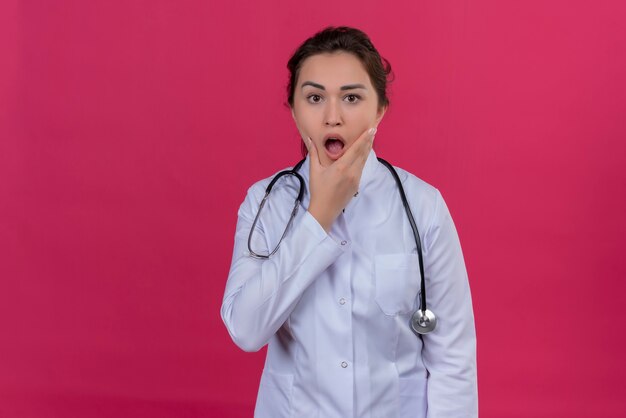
pixel 332 116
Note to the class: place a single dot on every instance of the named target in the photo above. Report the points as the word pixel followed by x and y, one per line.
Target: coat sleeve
pixel 260 294
pixel 449 352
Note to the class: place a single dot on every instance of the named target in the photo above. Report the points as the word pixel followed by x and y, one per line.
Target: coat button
pixel 344 242
pixel 342 301
pixel 344 364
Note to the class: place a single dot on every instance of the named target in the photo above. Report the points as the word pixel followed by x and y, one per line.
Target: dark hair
pixel 346 39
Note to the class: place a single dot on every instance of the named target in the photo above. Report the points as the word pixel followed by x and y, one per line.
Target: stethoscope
pixel 423 320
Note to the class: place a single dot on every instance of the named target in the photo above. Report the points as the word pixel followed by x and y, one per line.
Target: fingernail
pixel 372 131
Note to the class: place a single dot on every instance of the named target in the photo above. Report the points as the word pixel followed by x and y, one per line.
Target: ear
pixel 380 113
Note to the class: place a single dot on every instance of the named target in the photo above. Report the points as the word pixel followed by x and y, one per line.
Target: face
pixel 334 103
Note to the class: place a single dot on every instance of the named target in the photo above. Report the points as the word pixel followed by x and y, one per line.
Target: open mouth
pixel 334 146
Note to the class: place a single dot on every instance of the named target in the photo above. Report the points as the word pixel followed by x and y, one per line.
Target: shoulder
pixel 260 187
pixel 418 189
pixel 256 192
pixel 425 201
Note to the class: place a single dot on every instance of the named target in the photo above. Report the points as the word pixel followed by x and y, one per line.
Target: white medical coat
pixel 335 308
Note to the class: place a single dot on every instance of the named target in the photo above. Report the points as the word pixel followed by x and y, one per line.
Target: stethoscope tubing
pixel 416 234
pixel 294 212
pixel 423 321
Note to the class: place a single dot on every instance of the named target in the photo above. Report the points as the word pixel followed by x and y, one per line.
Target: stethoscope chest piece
pixel 423 322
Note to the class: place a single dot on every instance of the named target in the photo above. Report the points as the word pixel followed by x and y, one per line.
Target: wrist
pixel 325 221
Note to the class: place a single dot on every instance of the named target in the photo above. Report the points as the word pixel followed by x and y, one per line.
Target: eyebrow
pixel 346 87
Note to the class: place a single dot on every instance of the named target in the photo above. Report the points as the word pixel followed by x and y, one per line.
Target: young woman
pixel 335 301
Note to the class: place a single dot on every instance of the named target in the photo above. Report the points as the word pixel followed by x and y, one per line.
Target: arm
pixel 449 352
pixel 261 294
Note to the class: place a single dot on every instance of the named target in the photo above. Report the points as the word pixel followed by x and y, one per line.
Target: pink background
pixel 131 130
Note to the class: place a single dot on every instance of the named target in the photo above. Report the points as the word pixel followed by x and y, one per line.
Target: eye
pixel 352 98
pixel 314 98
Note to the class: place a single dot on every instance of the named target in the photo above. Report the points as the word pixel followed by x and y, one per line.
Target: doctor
pixel 335 300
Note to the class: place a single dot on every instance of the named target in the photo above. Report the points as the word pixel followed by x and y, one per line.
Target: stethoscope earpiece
pixel 423 322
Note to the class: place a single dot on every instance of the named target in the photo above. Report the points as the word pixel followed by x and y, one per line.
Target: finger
pixel 307 143
pixel 363 143
pixel 314 160
pixel 361 147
